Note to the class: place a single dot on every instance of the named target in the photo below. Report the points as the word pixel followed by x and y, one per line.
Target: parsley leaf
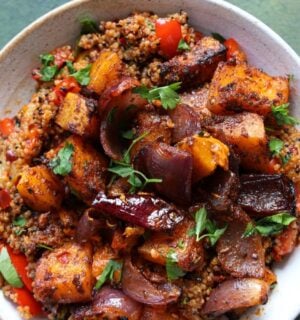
pixel 19 221
pixel 108 273
pixel 173 270
pixel 128 134
pixel 182 45
pixel 8 270
pixel 48 71
pixel 205 224
pixel 268 226
pixel 82 76
pixel 167 95
pixel 88 25
pixel 218 37
pixel 62 163
pixel 275 146
pixel 124 169
pixel 46 59
pixel 282 117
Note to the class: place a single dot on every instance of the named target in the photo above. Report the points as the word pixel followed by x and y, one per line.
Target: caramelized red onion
pixel 186 122
pixel 112 304
pixel 264 194
pixel 240 256
pixel 136 286
pixel 173 166
pixel 143 210
pixel 117 105
pixel 89 225
pixel 234 294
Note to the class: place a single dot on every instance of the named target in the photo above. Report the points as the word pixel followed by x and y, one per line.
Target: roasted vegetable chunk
pixel 207 153
pixel 196 66
pixel 190 253
pixel 40 189
pixel 245 132
pixel 78 116
pixel 88 173
pixel 235 294
pixel 159 129
pixel 240 87
pixel 264 195
pixel 104 71
pixel 64 275
pixel 159 160
pixel 238 255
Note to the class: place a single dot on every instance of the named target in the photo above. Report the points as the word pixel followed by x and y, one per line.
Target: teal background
pixel 283 16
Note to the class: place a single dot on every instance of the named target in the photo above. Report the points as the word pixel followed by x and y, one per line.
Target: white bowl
pixel 264 48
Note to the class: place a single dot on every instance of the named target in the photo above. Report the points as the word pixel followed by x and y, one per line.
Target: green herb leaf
pixel 181 244
pixel 19 221
pixel 218 37
pixel 82 76
pixel 108 273
pixel 48 73
pixel 182 45
pixel 282 117
pixel 205 224
pixel 129 135
pixel 201 220
pixel 285 159
pixel 62 163
pixel 124 169
pixel 44 246
pixel 46 59
pixel 8 271
pixel 173 270
pixel 167 95
pixel 275 146
pixel 268 226
pixel 88 25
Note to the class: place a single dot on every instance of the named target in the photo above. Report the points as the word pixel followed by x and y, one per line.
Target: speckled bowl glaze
pixel 265 49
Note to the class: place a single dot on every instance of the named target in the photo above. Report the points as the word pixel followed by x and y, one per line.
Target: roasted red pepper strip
pixel 234 51
pixel 7 126
pixel 20 263
pixel 5 199
pixel 26 299
pixel 169 33
pixel 67 85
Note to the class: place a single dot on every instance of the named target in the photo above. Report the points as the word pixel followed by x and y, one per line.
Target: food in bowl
pixel 154 173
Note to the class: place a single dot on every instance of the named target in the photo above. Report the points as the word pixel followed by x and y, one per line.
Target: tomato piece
pixel 5 199
pixel 234 51
pixel 169 33
pixel 20 263
pixel 7 126
pixel 63 87
pixel 26 299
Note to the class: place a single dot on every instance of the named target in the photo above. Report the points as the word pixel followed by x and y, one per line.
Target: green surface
pixel 283 16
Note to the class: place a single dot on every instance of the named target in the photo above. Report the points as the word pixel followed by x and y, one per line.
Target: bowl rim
pixel 5 51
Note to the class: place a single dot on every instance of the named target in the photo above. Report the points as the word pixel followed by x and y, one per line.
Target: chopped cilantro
pixel 108 273
pixel 88 25
pixel 218 37
pixel 173 270
pixel 282 117
pixel 182 45
pixel 62 163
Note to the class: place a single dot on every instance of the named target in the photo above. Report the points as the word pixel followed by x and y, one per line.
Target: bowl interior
pixel 264 48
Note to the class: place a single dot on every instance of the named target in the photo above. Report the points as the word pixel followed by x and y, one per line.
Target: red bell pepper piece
pixel 7 126
pixel 26 299
pixel 169 33
pixel 5 199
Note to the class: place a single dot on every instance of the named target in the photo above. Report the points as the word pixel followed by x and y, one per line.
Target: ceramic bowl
pixel 264 48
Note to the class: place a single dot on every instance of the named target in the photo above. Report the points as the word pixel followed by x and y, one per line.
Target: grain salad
pixel 154 174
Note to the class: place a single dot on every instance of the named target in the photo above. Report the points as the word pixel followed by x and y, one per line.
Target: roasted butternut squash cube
pixel 240 87
pixel 89 169
pixel 64 275
pixel 245 132
pixel 78 115
pixel 101 258
pixel 207 153
pixel 190 253
pixel 40 189
pixel 104 71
